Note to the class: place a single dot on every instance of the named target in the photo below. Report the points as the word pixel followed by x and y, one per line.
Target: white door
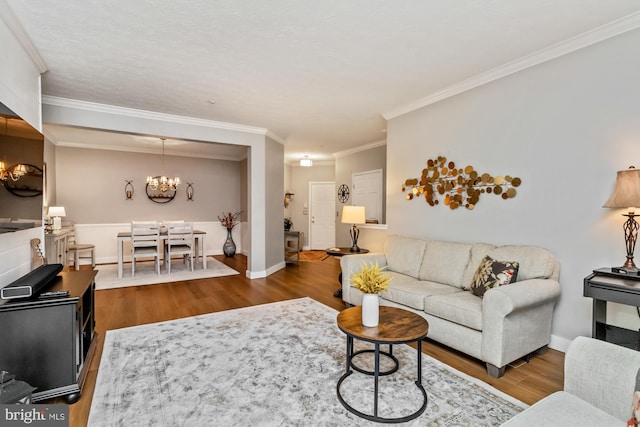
pixel 322 209
pixel 367 192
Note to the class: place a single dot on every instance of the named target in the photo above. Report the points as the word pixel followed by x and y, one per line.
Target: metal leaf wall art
pixel 457 186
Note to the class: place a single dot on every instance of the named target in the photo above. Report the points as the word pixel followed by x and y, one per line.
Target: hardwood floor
pixel 118 308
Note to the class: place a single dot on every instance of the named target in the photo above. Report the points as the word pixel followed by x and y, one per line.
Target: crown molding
pixel 599 34
pixel 143 150
pixel 360 148
pixel 152 115
pixel 10 19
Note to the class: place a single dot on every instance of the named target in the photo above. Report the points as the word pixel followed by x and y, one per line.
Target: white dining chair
pixel 145 243
pixel 179 242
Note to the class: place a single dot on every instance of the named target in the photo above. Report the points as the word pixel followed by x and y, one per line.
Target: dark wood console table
pixel 340 252
pixel 605 285
pixel 49 343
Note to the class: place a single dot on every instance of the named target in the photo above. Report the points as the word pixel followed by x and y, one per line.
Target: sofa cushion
pixel 408 291
pixel 563 409
pixel 478 252
pixel 492 273
pixel 404 255
pixel 462 308
pixel 445 262
pixel 534 262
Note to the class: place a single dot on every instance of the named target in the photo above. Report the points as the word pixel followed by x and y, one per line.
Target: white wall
pixel 565 127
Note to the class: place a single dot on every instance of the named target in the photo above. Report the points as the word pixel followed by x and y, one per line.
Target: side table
pixel 397 326
pixel 605 285
pixel 340 252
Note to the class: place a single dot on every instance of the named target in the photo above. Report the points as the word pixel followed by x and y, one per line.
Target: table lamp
pixel 56 212
pixel 626 194
pixel 353 215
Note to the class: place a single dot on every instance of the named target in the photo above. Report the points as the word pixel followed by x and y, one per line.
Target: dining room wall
pixel 90 185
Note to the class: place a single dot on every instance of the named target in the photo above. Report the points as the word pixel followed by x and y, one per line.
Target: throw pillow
pixel 635 410
pixel 492 273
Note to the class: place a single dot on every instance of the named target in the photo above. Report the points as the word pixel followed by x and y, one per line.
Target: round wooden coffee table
pixel 396 326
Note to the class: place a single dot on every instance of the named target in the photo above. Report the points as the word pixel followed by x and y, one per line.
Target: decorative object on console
pixel 56 212
pixel 161 182
pixel 370 280
pixel 287 198
pixel 626 194
pixel 353 215
pixel 228 221
pixel 460 187
pixel 287 223
pixel 343 193
pixel 128 189
pixel 306 162
pixel 190 191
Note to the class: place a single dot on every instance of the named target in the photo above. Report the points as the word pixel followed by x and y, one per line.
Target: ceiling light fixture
pixel 306 162
pixel 163 183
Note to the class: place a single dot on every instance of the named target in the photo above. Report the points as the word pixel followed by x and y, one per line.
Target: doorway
pixel 322 218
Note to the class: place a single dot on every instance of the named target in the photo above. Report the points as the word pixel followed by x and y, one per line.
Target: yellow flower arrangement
pixel 371 279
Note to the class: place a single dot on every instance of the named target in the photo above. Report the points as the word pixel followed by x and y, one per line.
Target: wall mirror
pixel 21 173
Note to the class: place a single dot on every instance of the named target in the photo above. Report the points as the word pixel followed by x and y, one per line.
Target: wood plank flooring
pixel 118 308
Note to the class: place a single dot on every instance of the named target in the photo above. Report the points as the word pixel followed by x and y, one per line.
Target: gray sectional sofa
pixel 599 383
pixel 432 278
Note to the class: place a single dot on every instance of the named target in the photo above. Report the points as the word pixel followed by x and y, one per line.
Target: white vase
pixel 370 310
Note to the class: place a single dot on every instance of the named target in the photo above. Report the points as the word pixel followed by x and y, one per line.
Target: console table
pixel 293 241
pixel 49 343
pixel 606 285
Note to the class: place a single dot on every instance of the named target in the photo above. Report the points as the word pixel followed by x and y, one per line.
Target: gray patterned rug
pixel 270 365
pixel 146 273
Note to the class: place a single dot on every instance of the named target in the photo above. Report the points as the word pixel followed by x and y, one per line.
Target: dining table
pixel 198 235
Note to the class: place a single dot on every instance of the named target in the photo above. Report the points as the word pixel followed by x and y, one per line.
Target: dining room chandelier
pixel 14 173
pixel 161 182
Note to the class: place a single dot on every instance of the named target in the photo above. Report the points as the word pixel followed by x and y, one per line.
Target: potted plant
pixel 287 223
pixel 370 280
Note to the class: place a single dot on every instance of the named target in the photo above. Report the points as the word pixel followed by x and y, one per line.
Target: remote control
pixel 56 294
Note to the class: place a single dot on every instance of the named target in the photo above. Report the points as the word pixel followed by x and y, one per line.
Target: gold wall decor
pixel 458 186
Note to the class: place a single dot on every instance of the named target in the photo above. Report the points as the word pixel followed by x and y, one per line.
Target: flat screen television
pixel 22 173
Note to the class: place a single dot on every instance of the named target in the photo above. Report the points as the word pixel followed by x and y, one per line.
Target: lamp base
pixel 57 223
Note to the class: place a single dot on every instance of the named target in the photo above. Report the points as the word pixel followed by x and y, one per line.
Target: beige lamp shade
pixel 626 193
pixel 55 211
pixel 353 215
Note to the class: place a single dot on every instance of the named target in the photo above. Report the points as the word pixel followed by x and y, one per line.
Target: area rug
pixel 313 256
pixel 270 365
pixel 107 277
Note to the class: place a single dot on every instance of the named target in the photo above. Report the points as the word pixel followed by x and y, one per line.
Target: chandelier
pixel 14 172
pixel 163 183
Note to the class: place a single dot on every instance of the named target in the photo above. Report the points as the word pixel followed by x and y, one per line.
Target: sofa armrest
pixel 602 374
pixel 516 319
pixel 504 300
pixel 353 263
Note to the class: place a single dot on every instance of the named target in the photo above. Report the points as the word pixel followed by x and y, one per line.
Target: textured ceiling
pixel 319 74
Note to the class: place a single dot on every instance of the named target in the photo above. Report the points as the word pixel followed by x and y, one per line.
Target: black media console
pixel 49 342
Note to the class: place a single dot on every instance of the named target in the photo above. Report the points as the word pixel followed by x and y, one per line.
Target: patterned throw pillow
pixel 492 273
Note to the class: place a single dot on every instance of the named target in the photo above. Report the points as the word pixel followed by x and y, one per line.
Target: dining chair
pixel 78 251
pixel 179 242
pixel 145 242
